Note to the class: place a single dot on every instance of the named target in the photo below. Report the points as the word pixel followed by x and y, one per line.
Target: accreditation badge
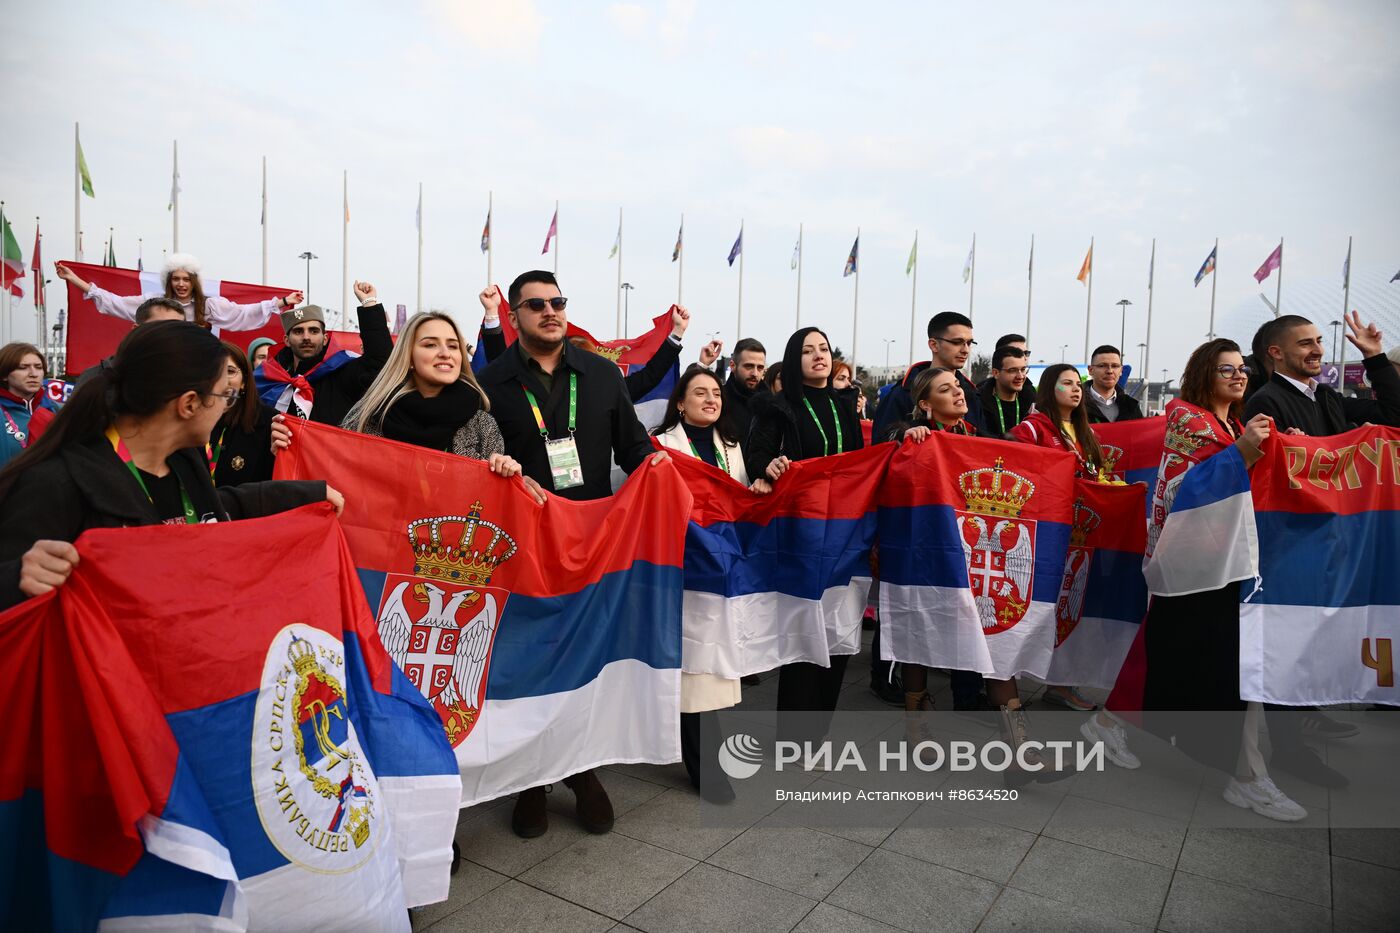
pixel 564 467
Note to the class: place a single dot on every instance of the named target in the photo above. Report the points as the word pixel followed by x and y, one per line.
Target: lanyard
pixel 835 418
pixel 1001 418
pixel 573 407
pixel 119 446
pixel 719 455
pixel 212 454
pixel 14 429
pixel 959 428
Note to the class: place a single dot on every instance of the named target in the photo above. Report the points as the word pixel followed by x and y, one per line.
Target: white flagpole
pixel 913 298
pixel 1147 351
pixel 556 236
pixel 490 235
pixel 175 195
pixel 618 328
pixel 1214 274
pixel 1346 305
pixel 739 323
pixel 972 279
pixel 1278 294
pixel 1030 287
pixel 4 286
pixel 855 308
pixel 344 246
pixel 77 199
pixel 797 323
pixel 1089 300
pixel 420 247
pixel 264 221
pixel 680 271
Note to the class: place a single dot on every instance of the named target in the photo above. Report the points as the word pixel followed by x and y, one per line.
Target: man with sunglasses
pixel 1007 395
pixel 1105 403
pixel 564 414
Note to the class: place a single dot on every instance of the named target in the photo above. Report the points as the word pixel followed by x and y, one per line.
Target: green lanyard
pixel 119 446
pixel 959 428
pixel 1001 418
pixel 719 455
pixel 573 407
pixel 835 418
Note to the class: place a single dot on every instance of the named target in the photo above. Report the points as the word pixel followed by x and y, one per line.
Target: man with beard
pixel 564 414
pixel 744 383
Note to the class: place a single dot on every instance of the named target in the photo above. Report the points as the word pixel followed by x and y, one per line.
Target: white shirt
pixel 221 313
pixel 1109 406
pixel 1308 388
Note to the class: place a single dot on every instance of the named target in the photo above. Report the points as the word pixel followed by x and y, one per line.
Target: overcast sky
pixel 1185 122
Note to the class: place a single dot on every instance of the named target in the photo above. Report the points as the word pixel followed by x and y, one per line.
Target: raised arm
pixel 229 315
pixel 121 306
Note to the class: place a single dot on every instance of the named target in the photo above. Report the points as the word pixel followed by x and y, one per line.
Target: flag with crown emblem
pixel 538 667
pixel 973 539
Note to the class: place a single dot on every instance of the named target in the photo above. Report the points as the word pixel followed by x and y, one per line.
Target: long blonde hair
pixel 395 380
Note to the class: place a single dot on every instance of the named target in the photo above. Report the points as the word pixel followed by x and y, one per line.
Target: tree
pixel 981 368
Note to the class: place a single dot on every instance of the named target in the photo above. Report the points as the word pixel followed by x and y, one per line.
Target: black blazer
pixel 247 455
pixel 1331 413
pixel 1128 408
pixel 85 485
pixel 774 432
pixel 640 383
pixel 607 425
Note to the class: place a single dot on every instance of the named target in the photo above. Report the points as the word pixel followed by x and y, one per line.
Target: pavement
pixel 1163 856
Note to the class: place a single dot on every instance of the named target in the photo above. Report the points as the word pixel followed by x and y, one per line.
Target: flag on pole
pixel 1087 268
pixel 1273 262
pixel 38 268
pixel 617 243
pixel 796 252
pixel 913 257
pixel 486 233
pixel 1207 267
pixel 111 258
pixel 14 261
pixel 1346 268
pixel 680 235
pixel 553 232
pixel 967 265
pixel 83 172
pixel 737 248
pixel 851 259
pixel 1395 277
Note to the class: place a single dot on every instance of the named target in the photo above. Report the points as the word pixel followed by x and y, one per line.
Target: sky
pixel 1249 122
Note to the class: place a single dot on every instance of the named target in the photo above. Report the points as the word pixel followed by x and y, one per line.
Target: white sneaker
pixel 1114 739
pixel 1263 797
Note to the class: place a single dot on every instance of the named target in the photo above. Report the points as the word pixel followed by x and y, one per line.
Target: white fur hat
pixel 182 261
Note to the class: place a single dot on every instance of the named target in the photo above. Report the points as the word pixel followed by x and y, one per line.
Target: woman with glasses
pixel 128 449
pixel 1192 642
pixel 239 450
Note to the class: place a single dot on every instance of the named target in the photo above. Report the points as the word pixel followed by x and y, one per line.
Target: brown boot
pixel 1015 732
pixel 595 810
pixel 530 818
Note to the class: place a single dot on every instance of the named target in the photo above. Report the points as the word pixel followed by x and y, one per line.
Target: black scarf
pixel 431 422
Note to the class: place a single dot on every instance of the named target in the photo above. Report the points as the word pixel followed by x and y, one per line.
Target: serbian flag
pixel 183 752
pixel 93 336
pixel 973 538
pixel 1132 451
pixel 774 579
pixel 1320 628
pixel 1103 597
pixel 548 638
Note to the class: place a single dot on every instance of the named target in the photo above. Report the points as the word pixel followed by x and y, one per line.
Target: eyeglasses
pixel 1226 371
pixel 958 342
pixel 1013 370
pixel 537 304
pixel 230 397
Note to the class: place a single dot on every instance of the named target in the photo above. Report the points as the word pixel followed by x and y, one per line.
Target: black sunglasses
pixel 537 304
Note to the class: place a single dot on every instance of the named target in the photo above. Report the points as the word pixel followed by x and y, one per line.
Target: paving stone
pixel 963 843
pixel 611 874
pixel 1204 905
pixel 675 820
pixel 489 841
pixel 1371 892
pixel 624 790
pixel 518 907
pixel 707 899
pixel 826 918
pixel 793 858
pixel 1100 882
pixel 914 895
pixel 1260 861
pixel 1377 846
pixel 1022 912
pixel 868 822
pixel 1111 828
pixel 470 883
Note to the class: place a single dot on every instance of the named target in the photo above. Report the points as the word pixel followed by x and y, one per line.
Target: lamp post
pixel 888 343
pixel 1123 321
pixel 1336 325
pixel 1142 365
pixel 1063 348
pixel 626 300
pixel 308 256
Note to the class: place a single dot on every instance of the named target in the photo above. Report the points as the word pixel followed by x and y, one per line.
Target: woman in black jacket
pixel 805 419
pixel 240 449
pixel 128 449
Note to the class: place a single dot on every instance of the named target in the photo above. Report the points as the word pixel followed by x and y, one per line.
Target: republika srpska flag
pixel 1102 598
pixel 203 732
pixel 774 579
pixel 973 537
pixel 548 638
pixel 92 335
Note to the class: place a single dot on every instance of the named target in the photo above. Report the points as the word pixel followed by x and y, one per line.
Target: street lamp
pixel 1335 326
pixel 1123 322
pixel 888 343
pixel 1142 365
pixel 1063 348
pixel 308 256
pixel 626 297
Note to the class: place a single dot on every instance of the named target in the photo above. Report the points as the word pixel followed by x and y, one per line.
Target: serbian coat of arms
pixel 998 545
pixel 440 623
pixel 1069 605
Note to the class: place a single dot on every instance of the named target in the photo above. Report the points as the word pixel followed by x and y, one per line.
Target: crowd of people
pixel 180 427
